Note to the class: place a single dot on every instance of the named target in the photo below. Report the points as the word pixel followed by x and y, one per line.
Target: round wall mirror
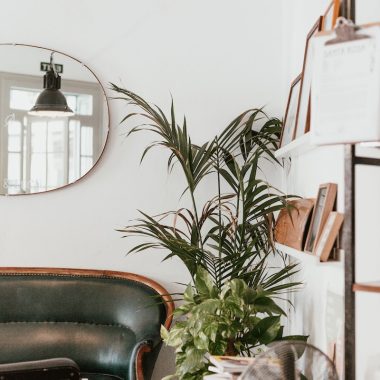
pixel 54 119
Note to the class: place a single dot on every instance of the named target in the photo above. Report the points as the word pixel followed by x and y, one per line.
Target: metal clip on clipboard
pixel 345 31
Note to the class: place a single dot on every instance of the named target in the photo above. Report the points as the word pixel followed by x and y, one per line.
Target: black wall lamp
pixel 51 102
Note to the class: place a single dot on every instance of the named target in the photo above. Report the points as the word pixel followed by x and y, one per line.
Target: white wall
pixel 216 57
pixel 367 11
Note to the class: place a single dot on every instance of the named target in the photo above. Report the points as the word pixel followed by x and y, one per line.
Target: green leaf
pixel 267 329
pixel 201 341
pixel 238 287
pixel 194 360
pixel 174 337
pixel 188 295
pixel 211 330
pixel 204 283
pixel 219 348
pixel 181 310
pixel 234 306
pixel 268 306
pixel 280 333
pixel 164 333
pixel 209 306
pixel 249 296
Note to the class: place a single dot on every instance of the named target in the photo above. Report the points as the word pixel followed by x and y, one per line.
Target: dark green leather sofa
pixel 107 322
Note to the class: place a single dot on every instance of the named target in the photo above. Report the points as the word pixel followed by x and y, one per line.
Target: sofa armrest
pixel 136 360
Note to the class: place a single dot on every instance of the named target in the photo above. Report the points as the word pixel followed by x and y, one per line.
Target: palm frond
pixel 231 235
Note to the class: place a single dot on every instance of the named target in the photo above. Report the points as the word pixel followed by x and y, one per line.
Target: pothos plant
pixel 235 319
pixel 226 243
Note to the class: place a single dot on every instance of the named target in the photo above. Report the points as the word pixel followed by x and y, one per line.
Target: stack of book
pixel 227 367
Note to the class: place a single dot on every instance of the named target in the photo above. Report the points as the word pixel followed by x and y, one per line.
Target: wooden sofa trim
pixel 139 361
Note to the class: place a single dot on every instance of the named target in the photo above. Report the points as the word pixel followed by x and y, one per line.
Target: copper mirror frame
pixel 104 120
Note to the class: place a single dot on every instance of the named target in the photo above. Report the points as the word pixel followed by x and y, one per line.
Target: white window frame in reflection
pixel 72 167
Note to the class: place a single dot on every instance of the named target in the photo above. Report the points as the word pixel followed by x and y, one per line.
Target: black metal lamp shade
pixel 51 102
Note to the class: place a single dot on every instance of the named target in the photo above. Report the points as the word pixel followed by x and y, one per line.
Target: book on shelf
pixel 238 367
pixel 227 367
pixel 219 376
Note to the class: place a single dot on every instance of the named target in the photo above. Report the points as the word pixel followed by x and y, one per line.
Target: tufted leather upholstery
pixel 104 321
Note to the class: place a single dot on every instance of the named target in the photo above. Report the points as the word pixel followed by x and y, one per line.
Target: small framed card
pixel 323 206
pixel 291 113
pixel 328 236
pixel 303 109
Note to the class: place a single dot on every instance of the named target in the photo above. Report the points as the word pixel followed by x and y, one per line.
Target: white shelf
pixel 296 147
pixel 308 257
pixel 299 255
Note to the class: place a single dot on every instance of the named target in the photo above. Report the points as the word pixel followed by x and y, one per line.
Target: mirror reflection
pixel 54 118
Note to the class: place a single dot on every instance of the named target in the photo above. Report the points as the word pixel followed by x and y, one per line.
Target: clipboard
pixel 345 92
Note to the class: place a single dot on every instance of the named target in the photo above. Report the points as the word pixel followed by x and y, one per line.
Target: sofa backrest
pixel 93 317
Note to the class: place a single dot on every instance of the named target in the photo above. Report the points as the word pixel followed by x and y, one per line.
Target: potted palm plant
pixel 231 306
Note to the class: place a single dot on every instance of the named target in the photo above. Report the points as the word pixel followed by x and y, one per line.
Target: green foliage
pixel 231 236
pixel 233 319
pixel 224 243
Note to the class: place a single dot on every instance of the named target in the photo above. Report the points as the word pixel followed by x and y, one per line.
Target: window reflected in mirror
pixel 42 153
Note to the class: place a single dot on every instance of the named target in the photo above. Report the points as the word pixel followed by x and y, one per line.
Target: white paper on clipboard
pixel 345 95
